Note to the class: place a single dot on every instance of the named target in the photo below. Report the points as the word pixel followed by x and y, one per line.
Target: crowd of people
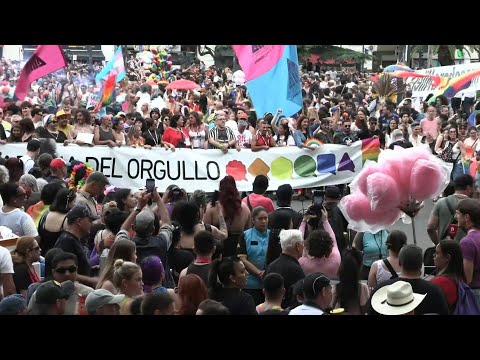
pixel 85 246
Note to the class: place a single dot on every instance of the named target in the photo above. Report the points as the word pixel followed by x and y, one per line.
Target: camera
pixel 318 197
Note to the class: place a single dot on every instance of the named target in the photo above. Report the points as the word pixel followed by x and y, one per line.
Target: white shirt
pixel 305 310
pixel 144 99
pixel 244 138
pixel 232 124
pixel 6 263
pixel 28 163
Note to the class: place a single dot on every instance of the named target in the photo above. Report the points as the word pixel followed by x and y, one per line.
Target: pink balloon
pixel 371 168
pixel 382 191
pixel 425 180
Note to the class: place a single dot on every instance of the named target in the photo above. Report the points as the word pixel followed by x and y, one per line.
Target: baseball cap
pixel 51 291
pixel 97 298
pixel 12 304
pixel 144 220
pixel 61 112
pixel 79 212
pixel 58 163
pixel 313 285
pixel 243 116
pixel 332 192
pixel 121 113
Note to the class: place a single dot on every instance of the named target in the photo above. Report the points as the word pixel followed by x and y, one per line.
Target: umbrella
pixel 182 85
pixel 397 67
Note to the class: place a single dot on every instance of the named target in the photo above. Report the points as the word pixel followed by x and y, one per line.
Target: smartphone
pixel 150 185
pixel 318 196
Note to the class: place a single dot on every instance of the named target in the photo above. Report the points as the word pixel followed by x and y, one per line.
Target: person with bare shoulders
pixel 236 213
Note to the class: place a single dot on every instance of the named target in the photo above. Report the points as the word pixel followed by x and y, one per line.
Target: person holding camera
pixel 321 251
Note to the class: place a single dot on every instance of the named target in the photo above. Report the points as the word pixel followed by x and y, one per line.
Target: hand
pixel 261 274
pixel 147 146
pixel 165 196
pixel 65 143
pixel 311 147
pixel 238 148
pixel 307 217
pixel 155 195
pixel 79 142
pixel 111 143
pixel 143 199
pixel 279 111
pixel 324 214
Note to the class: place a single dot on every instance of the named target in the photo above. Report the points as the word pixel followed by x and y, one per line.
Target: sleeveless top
pixel 106 135
pixel 374 247
pixel 200 270
pixel 382 273
pixel 48 238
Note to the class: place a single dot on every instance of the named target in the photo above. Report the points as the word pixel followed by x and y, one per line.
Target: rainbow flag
pixel 436 80
pixel 449 87
pixel 114 64
pixel 273 77
pixel 370 149
pixel 107 93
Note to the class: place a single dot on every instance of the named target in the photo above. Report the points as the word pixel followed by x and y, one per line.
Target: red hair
pixel 299 122
pixel 192 291
pixel 229 197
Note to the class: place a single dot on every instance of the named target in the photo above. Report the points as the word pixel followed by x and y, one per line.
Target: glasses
pixel 71 269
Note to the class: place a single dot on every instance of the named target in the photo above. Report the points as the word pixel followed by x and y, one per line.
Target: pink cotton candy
pixel 356 206
pixel 383 192
pixel 426 179
pixel 387 217
pixel 361 180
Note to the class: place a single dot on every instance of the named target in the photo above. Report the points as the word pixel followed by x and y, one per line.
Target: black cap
pixel 79 212
pixel 51 291
pixel 313 285
pixel 332 192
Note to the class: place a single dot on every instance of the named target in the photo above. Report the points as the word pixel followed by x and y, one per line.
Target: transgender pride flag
pixel 272 76
pixel 115 64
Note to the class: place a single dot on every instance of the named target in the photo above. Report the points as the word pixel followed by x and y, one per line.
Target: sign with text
pixel 203 169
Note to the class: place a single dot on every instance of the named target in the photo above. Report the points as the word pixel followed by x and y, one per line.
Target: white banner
pixel 422 87
pixel 203 169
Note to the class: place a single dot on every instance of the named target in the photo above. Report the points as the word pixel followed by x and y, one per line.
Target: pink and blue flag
pixel 114 64
pixel 273 77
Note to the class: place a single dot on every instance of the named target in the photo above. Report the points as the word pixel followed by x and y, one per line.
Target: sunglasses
pixel 71 269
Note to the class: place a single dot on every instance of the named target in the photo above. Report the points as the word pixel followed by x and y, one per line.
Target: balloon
pixel 383 191
pixel 426 179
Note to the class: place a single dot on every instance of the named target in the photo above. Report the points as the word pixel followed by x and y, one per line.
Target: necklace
pixel 155 139
pixel 379 245
pixel 53 135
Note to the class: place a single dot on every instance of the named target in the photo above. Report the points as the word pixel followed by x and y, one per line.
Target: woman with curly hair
pixel 236 214
pixel 124 197
pixel 321 251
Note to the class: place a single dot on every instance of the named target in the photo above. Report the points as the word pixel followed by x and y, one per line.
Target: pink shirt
pixel 260 200
pixel 430 127
pixel 326 265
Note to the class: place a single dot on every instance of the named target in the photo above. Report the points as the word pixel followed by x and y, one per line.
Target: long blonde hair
pixel 121 249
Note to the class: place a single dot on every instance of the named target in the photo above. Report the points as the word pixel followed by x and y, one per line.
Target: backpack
pixel 467 303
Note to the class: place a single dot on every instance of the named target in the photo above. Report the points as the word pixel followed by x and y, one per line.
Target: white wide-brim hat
pixel 396 299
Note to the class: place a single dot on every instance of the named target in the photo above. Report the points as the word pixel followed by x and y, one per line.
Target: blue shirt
pixel 374 247
pixel 254 244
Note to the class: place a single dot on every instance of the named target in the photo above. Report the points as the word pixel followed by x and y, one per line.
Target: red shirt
pixel 449 288
pixel 173 136
pixel 263 140
pixel 260 200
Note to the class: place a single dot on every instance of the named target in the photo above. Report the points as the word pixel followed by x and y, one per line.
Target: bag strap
pixel 390 268
pixel 450 209
pixel 248 203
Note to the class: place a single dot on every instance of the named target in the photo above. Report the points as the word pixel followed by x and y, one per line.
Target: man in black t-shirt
pixel 79 222
pixel 411 261
pixel 284 201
